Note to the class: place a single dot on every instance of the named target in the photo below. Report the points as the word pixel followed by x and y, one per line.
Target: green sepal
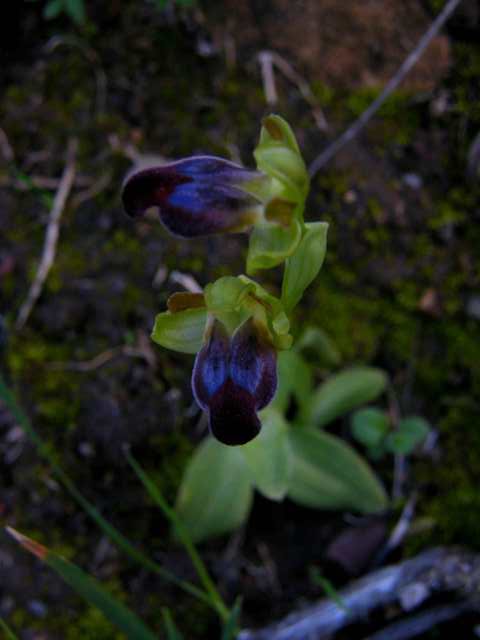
pixel 226 299
pixel 269 310
pixel 271 244
pixel 268 456
pixel 304 265
pixel 182 331
pixel 227 294
pixel 277 154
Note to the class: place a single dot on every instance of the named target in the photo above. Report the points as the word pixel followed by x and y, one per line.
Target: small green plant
pixel 74 9
pixel 245 374
pixel 374 429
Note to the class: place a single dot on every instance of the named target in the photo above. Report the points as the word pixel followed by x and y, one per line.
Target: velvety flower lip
pixel 232 379
pixel 197 196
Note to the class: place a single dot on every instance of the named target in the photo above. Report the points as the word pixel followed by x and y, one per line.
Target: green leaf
pixel 271 244
pixel 7 632
pixel 170 628
pixel 315 342
pixel 294 378
pixel 410 433
pixel 182 534
pixel 329 474
pixel 216 492
pixel 343 392
pixel 182 331
pixel 76 11
pixel 53 9
pixel 370 426
pixel 277 154
pixel 89 589
pixel 268 456
pixel 117 538
pixel 230 630
pixel 303 266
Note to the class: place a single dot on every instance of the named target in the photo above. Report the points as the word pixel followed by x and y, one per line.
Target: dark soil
pixel 400 288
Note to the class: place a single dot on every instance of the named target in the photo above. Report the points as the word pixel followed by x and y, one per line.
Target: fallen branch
pixel 51 237
pixel 413 626
pixel 409 62
pixel 410 584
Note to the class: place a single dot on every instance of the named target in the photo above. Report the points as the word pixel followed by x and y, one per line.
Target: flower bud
pixel 198 196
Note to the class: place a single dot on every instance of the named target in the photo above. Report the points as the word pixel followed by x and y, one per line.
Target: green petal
pixel 304 265
pixel 216 491
pixel 182 331
pixel 271 244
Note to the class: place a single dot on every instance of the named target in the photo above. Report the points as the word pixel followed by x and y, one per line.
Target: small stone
pixel 37 608
pixel 430 303
pixel 473 307
pixel 86 449
pixel 350 197
pixel 413 180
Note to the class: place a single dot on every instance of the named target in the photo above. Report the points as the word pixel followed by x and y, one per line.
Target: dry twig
pixel 410 584
pixel 413 626
pixel 269 59
pixel 5 147
pixel 409 62
pixel 51 237
pixel 142 350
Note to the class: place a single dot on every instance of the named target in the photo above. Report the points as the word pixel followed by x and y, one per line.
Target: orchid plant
pixel 238 329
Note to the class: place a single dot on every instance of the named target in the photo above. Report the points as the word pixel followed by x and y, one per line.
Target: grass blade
pixel 170 629
pixel 183 536
pixel 330 591
pixel 117 538
pixel 89 589
pixel 230 630
pixel 7 632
